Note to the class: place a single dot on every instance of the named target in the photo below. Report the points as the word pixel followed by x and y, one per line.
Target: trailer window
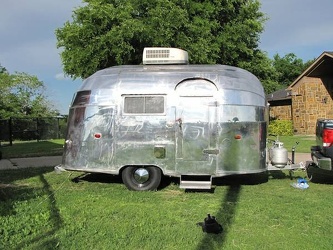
pixel 144 105
pixel 82 97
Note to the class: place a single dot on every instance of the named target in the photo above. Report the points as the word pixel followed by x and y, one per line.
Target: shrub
pixel 280 127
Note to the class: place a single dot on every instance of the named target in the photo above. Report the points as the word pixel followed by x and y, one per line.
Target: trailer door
pixel 196 135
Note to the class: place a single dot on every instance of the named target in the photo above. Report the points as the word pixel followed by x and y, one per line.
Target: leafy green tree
pixel 262 67
pixel 22 95
pixel 2 69
pixel 105 33
pixel 279 72
pixel 288 68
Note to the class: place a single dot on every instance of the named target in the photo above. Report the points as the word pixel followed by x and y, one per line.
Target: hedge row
pixel 280 127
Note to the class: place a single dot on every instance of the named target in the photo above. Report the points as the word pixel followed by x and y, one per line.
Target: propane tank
pixel 278 155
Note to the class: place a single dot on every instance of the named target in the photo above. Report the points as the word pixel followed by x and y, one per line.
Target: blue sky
pixel 28 42
pixel 303 27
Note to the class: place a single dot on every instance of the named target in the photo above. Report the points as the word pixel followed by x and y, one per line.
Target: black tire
pixel 142 178
pixel 318 175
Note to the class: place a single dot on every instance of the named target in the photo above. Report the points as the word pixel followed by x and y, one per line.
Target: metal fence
pixel 25 129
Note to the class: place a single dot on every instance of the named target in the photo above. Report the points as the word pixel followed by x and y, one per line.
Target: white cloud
pixel 60 76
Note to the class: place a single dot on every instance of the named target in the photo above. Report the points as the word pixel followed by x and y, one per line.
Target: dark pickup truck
pixel 322 153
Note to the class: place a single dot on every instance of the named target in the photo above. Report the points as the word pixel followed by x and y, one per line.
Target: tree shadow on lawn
pixel 225 215
pixel 11 193
pixel 47 239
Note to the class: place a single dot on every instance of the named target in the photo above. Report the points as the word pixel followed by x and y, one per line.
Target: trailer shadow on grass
pixel 246 179
pixel 98 177
pixel 116 179
pixel 313 174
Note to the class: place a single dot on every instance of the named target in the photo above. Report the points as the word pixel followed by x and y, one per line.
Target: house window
pixel 144 104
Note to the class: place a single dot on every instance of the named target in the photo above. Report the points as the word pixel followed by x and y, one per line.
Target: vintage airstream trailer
pixel 167 117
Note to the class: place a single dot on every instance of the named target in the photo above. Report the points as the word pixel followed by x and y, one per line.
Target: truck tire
pixel 311 172
pixel 318 175
pixel 142 178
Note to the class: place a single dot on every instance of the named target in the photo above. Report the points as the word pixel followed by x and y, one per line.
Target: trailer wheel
pixel 140 178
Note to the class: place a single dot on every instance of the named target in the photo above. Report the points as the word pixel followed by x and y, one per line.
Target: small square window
pixel 154 104
pixel 134 105
pixel 144 105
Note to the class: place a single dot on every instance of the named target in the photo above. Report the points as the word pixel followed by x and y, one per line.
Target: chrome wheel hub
pixel 141 175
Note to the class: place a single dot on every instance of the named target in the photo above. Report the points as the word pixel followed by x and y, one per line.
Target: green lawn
pixel 21 149
pixel 304 142
pixel 41 209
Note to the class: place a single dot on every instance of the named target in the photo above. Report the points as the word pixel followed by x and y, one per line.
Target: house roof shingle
pixel 282 94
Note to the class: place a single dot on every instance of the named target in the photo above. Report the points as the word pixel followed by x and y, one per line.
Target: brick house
pixel 309 97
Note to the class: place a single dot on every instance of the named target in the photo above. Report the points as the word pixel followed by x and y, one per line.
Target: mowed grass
pixel 21 149
pixel 41 209
pixel 304 142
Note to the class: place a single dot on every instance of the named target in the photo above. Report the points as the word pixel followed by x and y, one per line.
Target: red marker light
pixel 98 136
pixel 238 137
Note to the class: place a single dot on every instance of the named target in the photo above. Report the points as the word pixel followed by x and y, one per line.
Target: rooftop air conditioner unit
pixel 157 55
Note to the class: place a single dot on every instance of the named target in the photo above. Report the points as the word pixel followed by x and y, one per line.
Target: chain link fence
pixel 25 129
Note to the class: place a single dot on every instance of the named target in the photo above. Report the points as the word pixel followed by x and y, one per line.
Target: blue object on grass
pixel 301 184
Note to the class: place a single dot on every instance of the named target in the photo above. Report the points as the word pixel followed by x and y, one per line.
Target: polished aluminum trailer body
pixel 186 120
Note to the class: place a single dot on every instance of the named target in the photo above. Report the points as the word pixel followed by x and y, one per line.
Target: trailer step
pixel 195 182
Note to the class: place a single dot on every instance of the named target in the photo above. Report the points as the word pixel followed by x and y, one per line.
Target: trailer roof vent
pixel 157 55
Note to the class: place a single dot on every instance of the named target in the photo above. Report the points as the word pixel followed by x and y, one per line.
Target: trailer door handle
pixel 211 151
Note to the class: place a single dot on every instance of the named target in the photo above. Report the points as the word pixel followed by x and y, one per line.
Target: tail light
pixel 327 137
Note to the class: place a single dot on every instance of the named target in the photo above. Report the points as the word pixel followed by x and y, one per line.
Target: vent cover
pixel 156 55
